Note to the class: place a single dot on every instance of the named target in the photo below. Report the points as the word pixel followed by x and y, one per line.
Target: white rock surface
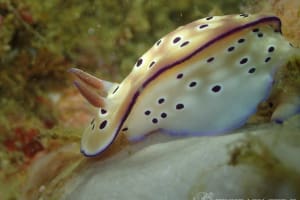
pixel 262 163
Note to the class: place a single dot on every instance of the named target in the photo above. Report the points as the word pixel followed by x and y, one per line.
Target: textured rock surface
pixel 262 163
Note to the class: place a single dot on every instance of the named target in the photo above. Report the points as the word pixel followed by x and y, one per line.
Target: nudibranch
pixel 204 78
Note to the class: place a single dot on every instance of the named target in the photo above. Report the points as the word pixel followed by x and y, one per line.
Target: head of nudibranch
pixel 204 78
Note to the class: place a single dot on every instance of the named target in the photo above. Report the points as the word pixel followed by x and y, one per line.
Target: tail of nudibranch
pixel 288 100
pixel 101 131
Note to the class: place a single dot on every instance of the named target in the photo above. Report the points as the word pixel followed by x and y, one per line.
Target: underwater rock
pixel 49 168
pixel 262 162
